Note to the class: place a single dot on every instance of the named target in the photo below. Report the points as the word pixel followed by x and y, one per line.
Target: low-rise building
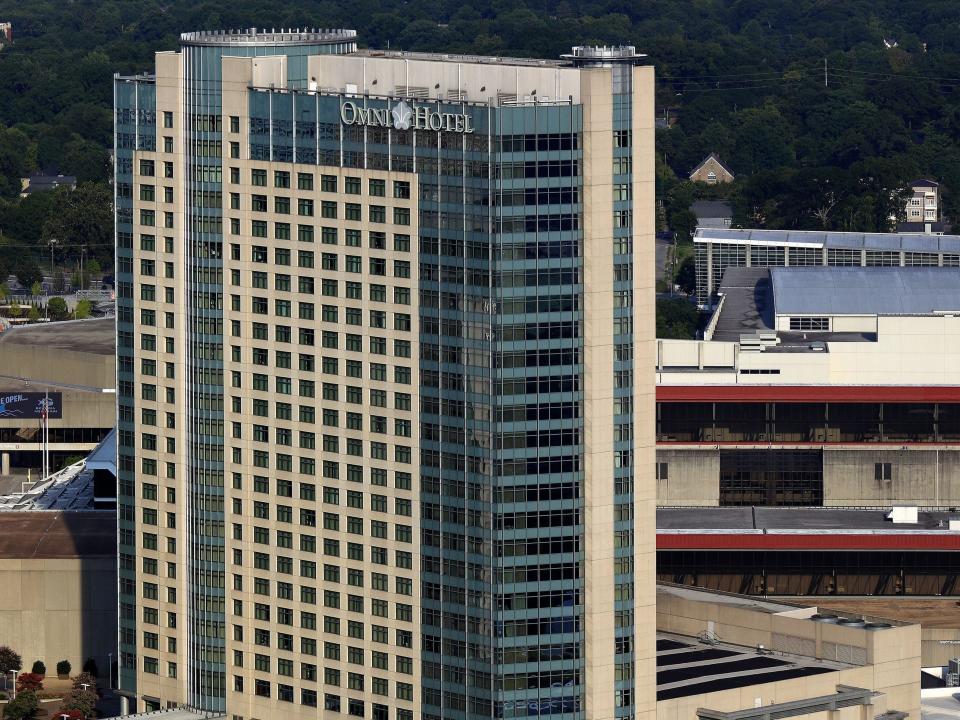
pixel 58 565
pixel 43 183
pixel 896 563
pixel 922 212
pixel 723 656
pixel 924 205
pixel 712 171
pixel 713 213
pixel 66 369
pixel 717 249
pixel 816 386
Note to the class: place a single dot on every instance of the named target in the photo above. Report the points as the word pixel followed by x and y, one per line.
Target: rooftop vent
pixel 824 618
pixel 903 515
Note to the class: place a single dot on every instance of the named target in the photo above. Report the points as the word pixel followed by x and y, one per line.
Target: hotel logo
pixel 404 117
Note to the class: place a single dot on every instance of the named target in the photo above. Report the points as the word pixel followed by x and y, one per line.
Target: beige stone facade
pixel 58 580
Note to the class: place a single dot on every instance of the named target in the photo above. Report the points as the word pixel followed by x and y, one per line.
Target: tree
pixel 677 318
pixel 83 310
pixel 9 660
pixel 36 289
pixel 686 277
pixel 81 701
pixel 57 309
pixel 762 139
pixel 33 314
pixel 83 216
pixel 90 668
pixel 683 223
pixel 39 668
pixel 86 677
pixel 63 668
pixel 28 272
pixel 17 159
pixel 29 681
pixel 86 160
pixel 22 707
pixel 15 310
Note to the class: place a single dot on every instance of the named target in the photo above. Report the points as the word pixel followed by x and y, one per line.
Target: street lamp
pixel 14 693
pixel 52 242
pixel 46 313
pixel 110 671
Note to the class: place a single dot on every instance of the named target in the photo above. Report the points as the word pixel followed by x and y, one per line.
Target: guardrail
pixel 94 295
pixel 846 696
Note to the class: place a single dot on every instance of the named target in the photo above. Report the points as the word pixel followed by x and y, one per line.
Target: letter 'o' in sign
pixel 348 113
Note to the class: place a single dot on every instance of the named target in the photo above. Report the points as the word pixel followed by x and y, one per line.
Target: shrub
pixel 90 666
pixel 29 681
pixel 23 706
pixel 83 309
pixel 9 660
pixel 57 309
pixel 63 667
pixel 39 668
pixel 82 701
pixel 85 678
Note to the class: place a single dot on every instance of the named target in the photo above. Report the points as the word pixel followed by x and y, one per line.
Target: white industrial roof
pixel 70 488
pixel 909 242
pixel 865 291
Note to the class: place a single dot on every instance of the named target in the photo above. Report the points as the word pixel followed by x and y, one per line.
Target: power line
pixel 897 75
pixel 683 78
pixel 803 70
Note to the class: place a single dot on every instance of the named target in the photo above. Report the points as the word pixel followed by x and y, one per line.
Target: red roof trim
pixel 822 541
pixel 808 393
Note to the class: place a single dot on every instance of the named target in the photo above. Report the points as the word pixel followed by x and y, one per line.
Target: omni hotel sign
pixel 403 117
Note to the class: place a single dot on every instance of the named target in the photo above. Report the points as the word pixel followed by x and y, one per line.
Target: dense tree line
pixel 744 78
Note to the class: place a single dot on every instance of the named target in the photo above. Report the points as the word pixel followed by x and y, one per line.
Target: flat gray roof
pixel 58 534
pixel 459 58
pixel 865 291
pixel 96 336
pixel 712 209
pixel 893 242
pixel 748 308
pixel 747 304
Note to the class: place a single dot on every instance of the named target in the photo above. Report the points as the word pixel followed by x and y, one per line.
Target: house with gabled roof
pixel 712 171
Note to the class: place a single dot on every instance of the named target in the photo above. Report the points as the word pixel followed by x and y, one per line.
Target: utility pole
pixel 46 434
pixel 44 426
pixel 46 306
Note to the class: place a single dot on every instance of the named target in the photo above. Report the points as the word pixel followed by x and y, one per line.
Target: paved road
pixel 661 254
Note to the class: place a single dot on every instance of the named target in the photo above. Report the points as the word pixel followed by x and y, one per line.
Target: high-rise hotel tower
pixel 385 366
